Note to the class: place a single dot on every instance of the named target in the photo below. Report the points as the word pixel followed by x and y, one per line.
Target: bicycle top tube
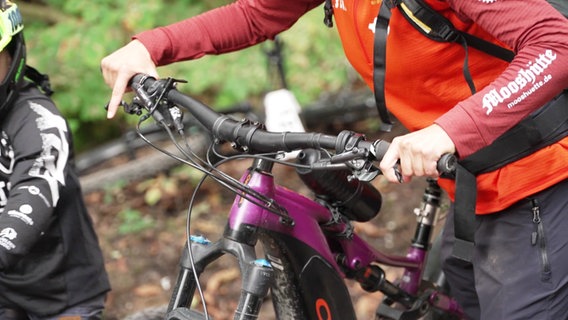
pixel 311 222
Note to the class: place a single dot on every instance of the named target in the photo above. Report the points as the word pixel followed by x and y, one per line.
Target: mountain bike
pixel 308 245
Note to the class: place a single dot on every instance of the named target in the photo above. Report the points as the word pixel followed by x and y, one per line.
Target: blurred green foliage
pixel 133 221
pixel 67 40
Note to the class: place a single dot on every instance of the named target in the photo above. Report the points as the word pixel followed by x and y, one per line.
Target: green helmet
pixel 11 39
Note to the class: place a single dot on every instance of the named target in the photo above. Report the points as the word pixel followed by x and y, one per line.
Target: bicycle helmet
pixel 11 39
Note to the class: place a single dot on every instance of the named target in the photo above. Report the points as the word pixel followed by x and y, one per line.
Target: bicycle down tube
pixel 310 245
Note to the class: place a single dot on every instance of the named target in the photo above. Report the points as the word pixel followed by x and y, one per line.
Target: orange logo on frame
pixel 322 310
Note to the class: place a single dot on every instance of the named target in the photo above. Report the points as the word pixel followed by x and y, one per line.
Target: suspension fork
pixel 256 274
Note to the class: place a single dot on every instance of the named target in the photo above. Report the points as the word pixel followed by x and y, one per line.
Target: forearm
pixel 238 25
pixel 537 74
pixel 25 218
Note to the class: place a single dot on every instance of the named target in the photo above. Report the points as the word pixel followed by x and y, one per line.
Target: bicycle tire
pixel 343 108
pixel 140 168
pixel 151 313
pixel 161 313
pixel 126 145
pixel 93 166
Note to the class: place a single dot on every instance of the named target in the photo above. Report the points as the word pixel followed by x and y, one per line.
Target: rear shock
pixel 427 214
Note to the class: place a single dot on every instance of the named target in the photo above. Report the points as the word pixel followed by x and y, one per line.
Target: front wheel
pixel 160 313
pixel 186 314
pixel 152 313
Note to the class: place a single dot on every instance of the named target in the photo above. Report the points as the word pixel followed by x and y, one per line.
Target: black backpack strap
pixel 328 14
pixel 379 63
pixel 464 214
pixel 543 127
pixel 40 79
pixel 436 27
pixel 489 47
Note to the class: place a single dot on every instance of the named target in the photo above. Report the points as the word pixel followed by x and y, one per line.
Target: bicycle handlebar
pixel 252 137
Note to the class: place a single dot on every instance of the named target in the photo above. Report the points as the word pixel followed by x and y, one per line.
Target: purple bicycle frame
pixel 303 249
pixel 310 219
pixel 309 216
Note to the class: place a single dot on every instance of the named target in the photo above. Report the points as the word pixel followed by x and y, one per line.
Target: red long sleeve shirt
pixel 421 87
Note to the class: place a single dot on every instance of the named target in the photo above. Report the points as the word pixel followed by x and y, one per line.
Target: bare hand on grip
pixel 416 154
pixel 119 67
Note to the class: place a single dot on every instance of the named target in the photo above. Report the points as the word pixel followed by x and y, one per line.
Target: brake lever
pixel 365 171
pixel 327 165
pixel 350 155
pixel 360 169
pixel 357 160
pixel 133 108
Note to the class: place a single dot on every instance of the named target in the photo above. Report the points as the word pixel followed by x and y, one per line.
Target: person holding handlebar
pixel 453 97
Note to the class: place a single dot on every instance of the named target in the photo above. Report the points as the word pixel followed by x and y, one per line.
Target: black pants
pixel 520 262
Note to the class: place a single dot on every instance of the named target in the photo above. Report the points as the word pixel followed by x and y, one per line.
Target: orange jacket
pixel 424 80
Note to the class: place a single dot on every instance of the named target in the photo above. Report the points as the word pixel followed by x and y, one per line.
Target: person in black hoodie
pixel 51 264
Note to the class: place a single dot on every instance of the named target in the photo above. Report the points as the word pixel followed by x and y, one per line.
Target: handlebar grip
pixel 140 78
pixel 381 147
pixel 446 165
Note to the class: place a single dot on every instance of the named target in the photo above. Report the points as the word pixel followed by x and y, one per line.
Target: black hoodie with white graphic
pixel 50 257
